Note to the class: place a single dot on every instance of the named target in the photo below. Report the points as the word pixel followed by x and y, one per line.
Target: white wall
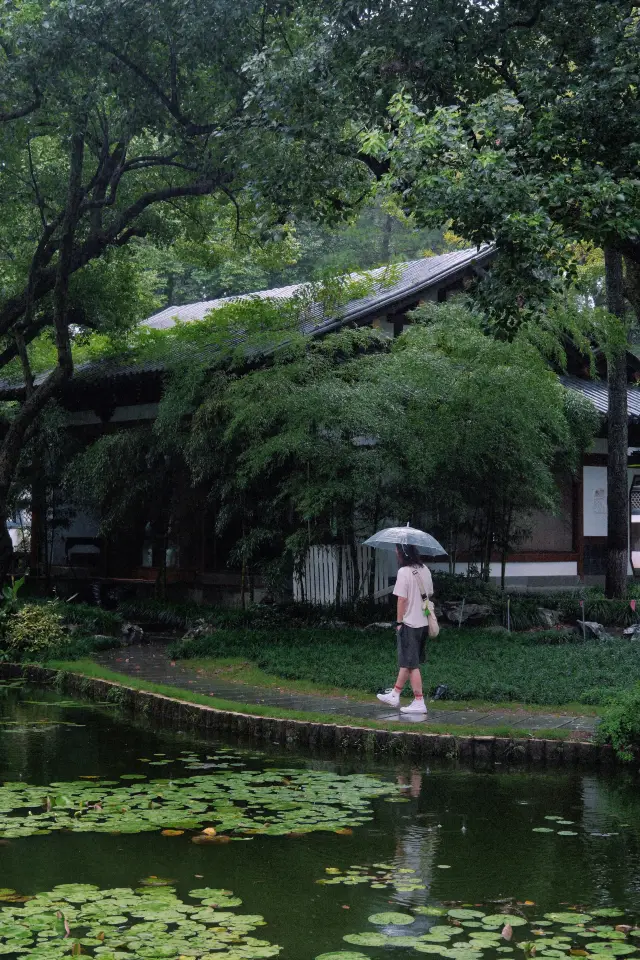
pixel 595 501
pixel 566 568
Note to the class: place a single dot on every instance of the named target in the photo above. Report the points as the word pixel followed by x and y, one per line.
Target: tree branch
pixel 120 232
pixel 6 117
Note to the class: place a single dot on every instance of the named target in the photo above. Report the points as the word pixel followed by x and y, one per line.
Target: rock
pixel 592 630
pixel 632 631
pixel 199 628
pixel 131 633
pixel 548 618
pixel 455 612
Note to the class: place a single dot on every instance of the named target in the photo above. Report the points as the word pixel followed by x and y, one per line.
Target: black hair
pixel 408 555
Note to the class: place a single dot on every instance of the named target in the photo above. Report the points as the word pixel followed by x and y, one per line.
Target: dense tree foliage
pixel 520 123
pixel 335 437
pixel 116 120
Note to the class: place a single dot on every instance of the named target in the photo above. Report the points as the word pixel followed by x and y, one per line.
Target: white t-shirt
pixel 409 585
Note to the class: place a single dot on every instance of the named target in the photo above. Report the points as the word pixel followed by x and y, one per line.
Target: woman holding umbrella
pixel 414 584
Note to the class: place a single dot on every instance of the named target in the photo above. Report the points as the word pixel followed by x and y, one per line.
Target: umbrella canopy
pixel 387 539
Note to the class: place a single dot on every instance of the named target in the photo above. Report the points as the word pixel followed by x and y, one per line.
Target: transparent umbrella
pixel 387 539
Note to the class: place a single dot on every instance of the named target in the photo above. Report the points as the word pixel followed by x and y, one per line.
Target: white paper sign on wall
pixel 599 500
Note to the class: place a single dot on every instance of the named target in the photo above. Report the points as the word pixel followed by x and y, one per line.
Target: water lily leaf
pixel 366 939
pixel 569 917
pixel 501 919
pixel 608 912
pixel 567 833
pixel 466 914
pixel 608 948
pixel 430 911
pixel 422 947
pixel 543 830
pixel 342 955
pixel 391 919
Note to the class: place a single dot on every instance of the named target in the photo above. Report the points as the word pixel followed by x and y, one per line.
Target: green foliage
pixel 620 725
pixel 475 664
pixel 35 630
pixel 89 618
pixel 524 152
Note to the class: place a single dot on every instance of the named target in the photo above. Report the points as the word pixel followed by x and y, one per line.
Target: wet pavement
pixel 150 662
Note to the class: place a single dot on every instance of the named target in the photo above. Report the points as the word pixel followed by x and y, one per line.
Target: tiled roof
pixel 596 392
pixel 407 278
pixel 392 288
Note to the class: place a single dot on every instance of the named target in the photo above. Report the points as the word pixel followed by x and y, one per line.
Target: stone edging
pixel 303 734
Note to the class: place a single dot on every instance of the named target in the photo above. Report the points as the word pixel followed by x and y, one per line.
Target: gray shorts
pixel 412 646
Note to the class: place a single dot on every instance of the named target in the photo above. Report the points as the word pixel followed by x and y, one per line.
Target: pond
pixel 118 840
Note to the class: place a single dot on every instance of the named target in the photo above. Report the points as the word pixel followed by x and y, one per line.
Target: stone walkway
pixel 150 662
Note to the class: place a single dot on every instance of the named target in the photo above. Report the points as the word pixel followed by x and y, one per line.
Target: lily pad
pixel 501 919
pixel 466 914
pixel 543 830
pixel 342 955
pixel 366 939
pixel 569 917
pixel 391 919
pixel 608 912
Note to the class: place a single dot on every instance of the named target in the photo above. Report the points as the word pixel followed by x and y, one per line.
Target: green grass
pixel 87 668
pixel 477 665
pixel 237 670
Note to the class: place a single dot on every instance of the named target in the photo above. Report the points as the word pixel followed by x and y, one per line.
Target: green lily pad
pixel 569 917
pixel 609 948
pixel 366 939
pixel 501 919
pixel 567 833
pixel 608 912
pixel 466 914
pixel 430 911
pixel 342 955
pixel 543 830
pixel 391 919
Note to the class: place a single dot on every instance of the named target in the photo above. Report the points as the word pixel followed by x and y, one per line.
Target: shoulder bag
pixel 432 621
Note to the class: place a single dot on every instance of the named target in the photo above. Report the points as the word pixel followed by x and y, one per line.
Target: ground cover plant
pixel 77 919
pixel 475 664
pixel 620 724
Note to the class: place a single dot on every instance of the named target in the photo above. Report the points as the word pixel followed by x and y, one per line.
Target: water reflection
pixel 470 837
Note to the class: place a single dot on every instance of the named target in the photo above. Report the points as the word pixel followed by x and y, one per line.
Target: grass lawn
pixel 486 666
pixel 241 671
pixel 88 668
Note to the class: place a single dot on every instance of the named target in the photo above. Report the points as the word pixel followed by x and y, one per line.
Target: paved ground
pixel 150 662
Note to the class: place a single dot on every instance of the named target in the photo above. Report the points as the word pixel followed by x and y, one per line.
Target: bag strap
pixel 423 593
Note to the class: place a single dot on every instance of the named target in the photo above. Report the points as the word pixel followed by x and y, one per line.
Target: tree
pixel 525 135
pixel 110 113
pixel 326 440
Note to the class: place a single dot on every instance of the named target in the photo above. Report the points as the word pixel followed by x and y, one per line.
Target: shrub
pixel 35 629
pixel 620 725
pixel 90 619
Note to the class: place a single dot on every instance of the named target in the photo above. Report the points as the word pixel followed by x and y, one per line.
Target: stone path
pixel 150 662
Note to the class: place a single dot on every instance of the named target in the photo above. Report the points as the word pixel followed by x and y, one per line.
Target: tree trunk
pixel 38 397
pixel 618 441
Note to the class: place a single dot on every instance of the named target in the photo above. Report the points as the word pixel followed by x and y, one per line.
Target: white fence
pixel 327 569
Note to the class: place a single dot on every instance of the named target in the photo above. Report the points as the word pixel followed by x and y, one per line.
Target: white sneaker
pixel 392 697
pixel 417 706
